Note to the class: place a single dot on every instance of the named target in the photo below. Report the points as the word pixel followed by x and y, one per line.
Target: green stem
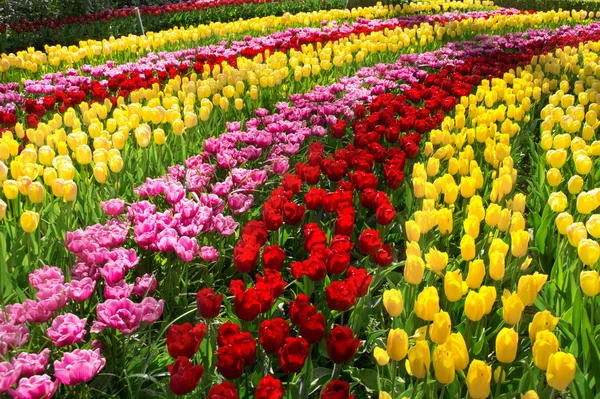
pixel 394 379
pixel 442 391
pixel 499 384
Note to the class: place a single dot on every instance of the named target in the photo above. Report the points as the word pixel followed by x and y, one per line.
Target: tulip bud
pixel 454 287
pixel 588 251
pixel 492 215
pixel 590 282
pixel 545 345
pixel 436 260
pixel 412 248
pixel 512 308
pixel 116 164
pixel 519 243
pixel 397 344
pixel 586 203
pixel 440 329
pixel 554 177
pixel 10 189
pixel 443 364
pixel 381 356
pixel 558 201
pixel 392 301
pixel 413 233
pixel 239 104
pixel 414 270
pixel 384 395
pixel 445 223
pixel 575 184
pixel 529 286
pixel 561 370
pixel 83 154
pixel 2 209
pixel 507 342
pixel 575 233
pixel 476 274
pixel 474 306
pixel 427 304
pixel 530 395
pixel 29 221
pixel 419 359
pixel 541 321
pixel 592 225
pixel 36 193
pixel 489 297
pixel 69 191
pixel 479 377
pixel 519 203
pixel 563 221
pixel 159 136
pixel 467 247
pixel 100 172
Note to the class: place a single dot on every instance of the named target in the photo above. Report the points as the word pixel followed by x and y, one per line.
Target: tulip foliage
pixel 423 227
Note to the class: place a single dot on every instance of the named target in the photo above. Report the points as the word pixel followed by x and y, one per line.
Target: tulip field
pixel 397 201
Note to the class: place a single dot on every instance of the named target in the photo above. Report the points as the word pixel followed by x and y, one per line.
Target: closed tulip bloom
pixel 588 251
pixel 499 375
pixel 467 247
pixel 518 204
pixel 542 321
pixel 412 248
pixel 36 192
pixel 507 342
pixel 512 308
pixel 419 359
pixel 29 221
pixel 530 395
pixel 586 203
pixel 476 208
pixel 392 301
pixel 575 233
pixel 70 191
pixel 519 242
pixel 554 177
pixel 413 233
pixel 460 353
pixel 433 166
pixel 492 215
pixel 583 164
pixel 593 225
pixel 517 222
pixel 436 260
pixel 468 186
pixel 558 201
pixel 589 281
pixel 556 158
pixel 575 184
pixel 381 356
pixel 101 172
pixel 561 370
pixel 497 265
pixel 440 329
pixel 445 222
pixel 190 120
pixel 474 306
pixel 115 164
pixel 10 189
pixel 419 187
pixel 178 127
pixel 414 270
pixel 504 221
pixel 443 364
pixel 384 395
pixel 427 304
pixel 563 221
pixel 489 297
pixel 476 274
pixel 545 345
pixel 454 287
pixel 397 344
pixel 471 226
pixel 478 379
pixel 2 209
pixel 529 286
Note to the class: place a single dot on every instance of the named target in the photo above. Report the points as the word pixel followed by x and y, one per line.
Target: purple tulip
pixel 31 363
pixel 36 387
pixel 78 366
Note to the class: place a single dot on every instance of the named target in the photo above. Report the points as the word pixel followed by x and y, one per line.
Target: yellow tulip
pixel 69 191
pixel 471 226
pixel 575 184
pixel 445 222
pixel 419 359
pixel 588 251
pixel 443 364
pixel 512 308
pixel 575 233
pixel 586 203
pixel 397 344
pixel 83 154
pixel 100 172
pixel 590 282
pixel 10 189
pixel 413 233
pixel 440 329
pixel 489 297
pixel 36 193
pixel 384 395
pixel 545 345
pixel 412 248
pixel 115 164
pixel 460 354
pixel 479 377
pixel 529 286
pixel 507 342
pixel 381 356
pixel 178 127
pixel 392 301
pixel 436 260
pixel 541 321
pixel 558 201
pixel 2 209
pixel 467 247
pixel 530 395
pixel 554 177
pixel 476 274
pixel 563 221
pixel 518 204
pixel 427 304
pixel 504 221
pixel 159 136
pixel 474 306
pixel 29 221
pixel 454 287
pixel 519 243
pixel 561 370
pixel 492 215
pixel 593 225
pixel 414 270
pixel 497 265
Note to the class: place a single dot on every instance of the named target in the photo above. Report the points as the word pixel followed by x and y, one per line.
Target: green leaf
pixel 368 377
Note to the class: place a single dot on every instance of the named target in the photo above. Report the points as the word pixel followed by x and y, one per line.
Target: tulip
pixel 460 354
pixel 492 215
pixel 115 164
pixel 476 274
pixel 384 395
pixel 586 203
pixel 517 222
pixel 419 359
pixel 561 370
pixel 29 221
pixel 36 192
pixel 381 356
pixel 83 154
pixel 507 342
pixel 474 306
pixel 414 270
pixel 563 221
pixel 440 329
pixel 443 364
pixel 100 172
pixel 397 344
pixel 588 251
pixel 530 395
pixel 554 177
pixel 427 304
pixel 593 225
pixel 542 321
pixel 69 191
pixel 413 233
pixel 467 186
pixel 454 287
pixel 575 184
pixel 529 286
pixel 436 260
pixel 519 243
pixel 489 297
pixel 545 345
pixel 504 221
pixel 588 279
pixel 512 308
pixel 412 248
pixel 479 377
pixel 558 201
pixel 467 247
pixel 2 209
pixel 518 204
pixel 497 265
pixel 445 223
pixel 392 301
pixel 471 226
pixel 575 233
pixel 10 189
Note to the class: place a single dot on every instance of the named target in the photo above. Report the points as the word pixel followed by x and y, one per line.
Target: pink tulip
pixel 36 387
pixel 209 253
pixel 12 336
pixel 113 207
pixel 120 314
pixel 47 275
pixel 78 366
pixel 151 309
pixel 145 285
pixel 80 290
pixel 8 375
pixel 31 363
pixel 66 329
